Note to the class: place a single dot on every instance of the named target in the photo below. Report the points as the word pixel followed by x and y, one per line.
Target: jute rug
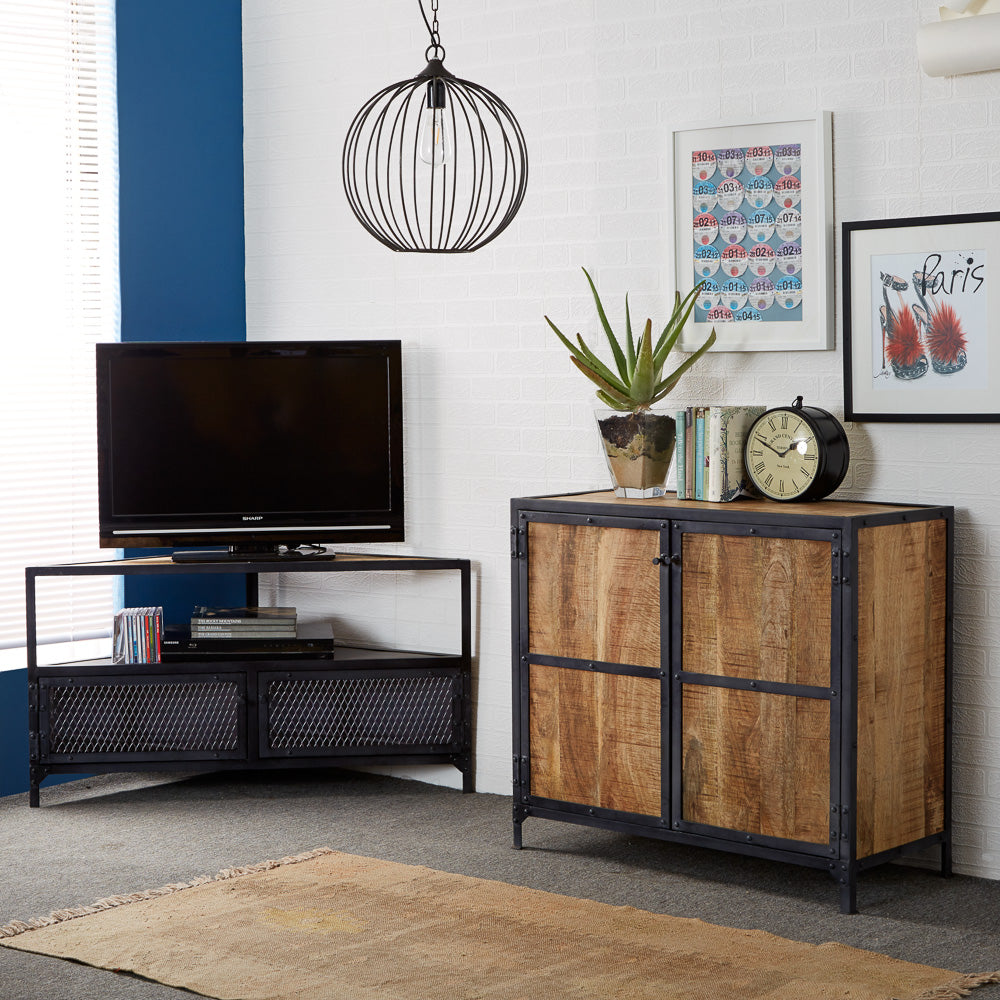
pixel 332 926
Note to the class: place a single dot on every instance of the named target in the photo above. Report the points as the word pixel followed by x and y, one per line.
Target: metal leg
pixel 946 857
pixel 464 764
pixel 847 877
pixel 35 775
pixel 519 813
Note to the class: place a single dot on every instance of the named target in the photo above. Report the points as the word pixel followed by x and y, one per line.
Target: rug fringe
pixel 16 927
pixel 960 987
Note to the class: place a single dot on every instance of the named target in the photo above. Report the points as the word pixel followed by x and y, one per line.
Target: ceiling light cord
pixel 435 50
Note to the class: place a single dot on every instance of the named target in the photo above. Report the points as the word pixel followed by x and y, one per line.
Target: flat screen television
pixel 259 446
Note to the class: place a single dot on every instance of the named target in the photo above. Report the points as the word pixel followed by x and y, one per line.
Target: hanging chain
pixel 435 49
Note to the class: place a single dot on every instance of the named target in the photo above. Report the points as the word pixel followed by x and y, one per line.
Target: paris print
pixel 929 319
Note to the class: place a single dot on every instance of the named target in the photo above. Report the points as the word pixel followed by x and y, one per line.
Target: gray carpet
pixel 121 833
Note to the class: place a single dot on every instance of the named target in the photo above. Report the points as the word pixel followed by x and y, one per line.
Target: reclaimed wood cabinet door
pixel 756 640
pixel 593 656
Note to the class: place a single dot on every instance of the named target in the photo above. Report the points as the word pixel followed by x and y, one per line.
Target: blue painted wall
pixel 180 154
pixel 13 731
pixel 180 140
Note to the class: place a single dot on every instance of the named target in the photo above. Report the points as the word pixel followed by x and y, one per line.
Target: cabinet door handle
pixel 662 559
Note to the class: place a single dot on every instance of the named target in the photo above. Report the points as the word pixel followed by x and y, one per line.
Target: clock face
pixel 782 454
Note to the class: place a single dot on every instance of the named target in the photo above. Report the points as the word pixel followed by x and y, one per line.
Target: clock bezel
pixel 833 458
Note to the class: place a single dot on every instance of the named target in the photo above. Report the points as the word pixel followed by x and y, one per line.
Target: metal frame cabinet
pixel 364 706
pixel 769 679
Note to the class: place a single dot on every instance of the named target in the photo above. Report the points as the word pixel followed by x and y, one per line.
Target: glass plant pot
pixel 638 447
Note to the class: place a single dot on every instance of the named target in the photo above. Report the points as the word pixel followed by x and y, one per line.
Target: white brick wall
pixel 493 407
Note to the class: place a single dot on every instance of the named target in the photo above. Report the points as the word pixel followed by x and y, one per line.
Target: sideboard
pixel 770 679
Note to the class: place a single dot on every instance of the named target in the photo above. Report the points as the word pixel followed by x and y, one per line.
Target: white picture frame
pixel 780 234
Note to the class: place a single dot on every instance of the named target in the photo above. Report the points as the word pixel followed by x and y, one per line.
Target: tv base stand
pixel 237 553
pixel 364 706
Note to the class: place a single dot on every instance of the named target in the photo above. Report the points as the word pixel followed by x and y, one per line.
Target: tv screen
pixel 252 445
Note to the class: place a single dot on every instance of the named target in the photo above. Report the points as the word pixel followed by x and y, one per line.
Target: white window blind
pixel 58 297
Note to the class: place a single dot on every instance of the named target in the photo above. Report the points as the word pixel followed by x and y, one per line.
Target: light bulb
pixel 435 143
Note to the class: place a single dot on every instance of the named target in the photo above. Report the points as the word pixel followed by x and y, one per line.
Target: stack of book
pixel 243 623
pixel 247 633
pixel 710 452
pixel 137 636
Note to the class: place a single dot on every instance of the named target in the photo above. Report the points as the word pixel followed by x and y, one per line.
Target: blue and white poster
pixel 746 229
pixel 753 231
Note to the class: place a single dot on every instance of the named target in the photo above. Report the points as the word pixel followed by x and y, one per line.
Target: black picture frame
pixel 919 344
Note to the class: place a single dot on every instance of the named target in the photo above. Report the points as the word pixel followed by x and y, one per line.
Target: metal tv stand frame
pixel 364 706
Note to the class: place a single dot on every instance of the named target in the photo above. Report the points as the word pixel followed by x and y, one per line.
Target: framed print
pixel 917 340
pixel 752 209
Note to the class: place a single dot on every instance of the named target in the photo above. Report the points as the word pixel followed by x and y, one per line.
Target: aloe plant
pixel 639 381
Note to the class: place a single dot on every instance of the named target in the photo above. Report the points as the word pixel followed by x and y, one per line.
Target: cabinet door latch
pixel 662 559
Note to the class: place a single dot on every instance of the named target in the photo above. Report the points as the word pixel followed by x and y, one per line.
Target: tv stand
pixel 253 553
pixel 365 706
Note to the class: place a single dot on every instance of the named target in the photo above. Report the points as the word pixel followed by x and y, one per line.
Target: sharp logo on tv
pixel 253 517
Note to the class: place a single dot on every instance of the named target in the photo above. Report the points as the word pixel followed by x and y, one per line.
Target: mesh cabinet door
pixel 101 719
pixel 351 712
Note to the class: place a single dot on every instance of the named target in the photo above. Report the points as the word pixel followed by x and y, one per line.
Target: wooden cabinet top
pixel 605 503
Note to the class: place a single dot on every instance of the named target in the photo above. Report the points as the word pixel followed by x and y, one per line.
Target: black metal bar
pixel 516 624
pixel 676 727
pixel 847 877
pixel 848 705
pixel 742 837
pixel 34 728
pixel 465 571
pixel 661 831
pixel 465 707
pixel 364 659
pixel 946 843
pixel 521 695
pixel 840 670
pixel 601 666
pixel 157 565
pixel 666 668
pixel 750 526
pixel 599 519
pixel 909 514
pixel 752 684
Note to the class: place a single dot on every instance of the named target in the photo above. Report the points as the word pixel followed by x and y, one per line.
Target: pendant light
pixel 435 164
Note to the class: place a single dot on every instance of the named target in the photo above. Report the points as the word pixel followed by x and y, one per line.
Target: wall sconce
pixel 965 40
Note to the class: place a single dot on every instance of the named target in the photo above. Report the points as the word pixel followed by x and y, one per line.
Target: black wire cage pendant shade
pixel 435 164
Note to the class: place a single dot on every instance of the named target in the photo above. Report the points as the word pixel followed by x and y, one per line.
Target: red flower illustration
pixel 945 336
pixel 903 346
